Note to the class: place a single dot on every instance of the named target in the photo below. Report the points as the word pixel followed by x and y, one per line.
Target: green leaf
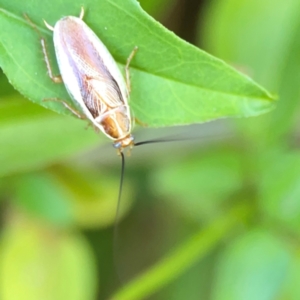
pixel 279 195
pixel 32 137
pixel 183 257
pixel 66 196
pixel 36 263
pixel 237 31
pixel 156 7
pixel 93 195
pixel 188 184
pixel 261 37
pixel 173 82
pixel 51 203
pixel 254 267
pixel 292 290
pixel 5 87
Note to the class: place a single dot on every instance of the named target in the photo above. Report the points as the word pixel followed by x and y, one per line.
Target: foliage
pixel 214 219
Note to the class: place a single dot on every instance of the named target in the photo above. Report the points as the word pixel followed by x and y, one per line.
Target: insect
pixel 92 78
pixel 94 81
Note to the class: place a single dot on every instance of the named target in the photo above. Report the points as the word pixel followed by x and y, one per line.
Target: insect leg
pixel 66 105
pixel 140 122
pixel 54 78
pixel 81 13
pixel 127 73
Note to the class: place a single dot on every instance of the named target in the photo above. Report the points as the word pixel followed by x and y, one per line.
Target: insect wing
pixel 89 72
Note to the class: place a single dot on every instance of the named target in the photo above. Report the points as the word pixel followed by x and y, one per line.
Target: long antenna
pixel 159 140
pixel 173 139
pixel 120 190
pixel 162 140
pixel 115 235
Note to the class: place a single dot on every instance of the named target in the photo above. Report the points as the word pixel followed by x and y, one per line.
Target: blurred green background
pixel 216 217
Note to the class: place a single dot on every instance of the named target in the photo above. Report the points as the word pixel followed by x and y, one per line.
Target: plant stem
pixel 173 265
